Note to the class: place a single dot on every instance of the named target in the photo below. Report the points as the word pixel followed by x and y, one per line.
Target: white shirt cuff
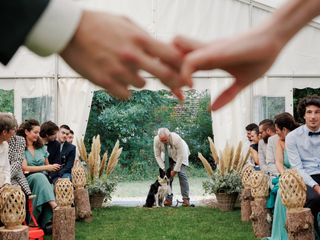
pixel 55 27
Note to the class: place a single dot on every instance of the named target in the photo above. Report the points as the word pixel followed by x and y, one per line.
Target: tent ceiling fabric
pixel 200 19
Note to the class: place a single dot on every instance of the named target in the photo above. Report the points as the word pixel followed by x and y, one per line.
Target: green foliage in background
pixel 301 93
pixel 6 100
pixel 135 123
pixel 228 183
pixel 38 108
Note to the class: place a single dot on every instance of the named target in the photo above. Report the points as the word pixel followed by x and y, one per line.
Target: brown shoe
pixel 186 202
pixel 168 202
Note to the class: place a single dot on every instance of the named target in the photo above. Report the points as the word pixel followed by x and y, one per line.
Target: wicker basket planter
pixel 96 200
pixel 226 201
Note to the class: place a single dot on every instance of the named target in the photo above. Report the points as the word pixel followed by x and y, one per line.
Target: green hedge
pixel 135 123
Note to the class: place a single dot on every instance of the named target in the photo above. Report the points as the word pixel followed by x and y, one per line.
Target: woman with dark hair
pixel 284 123
pixel 36 166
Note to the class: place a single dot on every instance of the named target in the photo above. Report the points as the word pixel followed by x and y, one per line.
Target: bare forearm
pixel 33 169
pixel 292 17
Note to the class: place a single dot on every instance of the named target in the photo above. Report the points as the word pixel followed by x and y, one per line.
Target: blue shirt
pixel 304 153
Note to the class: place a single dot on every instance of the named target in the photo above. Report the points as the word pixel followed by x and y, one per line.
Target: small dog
pixel 158 191
pixel 163 191
pixel 151 198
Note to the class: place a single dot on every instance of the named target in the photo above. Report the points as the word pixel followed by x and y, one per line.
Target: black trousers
pixel 313 202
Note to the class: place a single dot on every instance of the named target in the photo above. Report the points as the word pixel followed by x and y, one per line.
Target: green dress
pixel 40 186
pixel 279 231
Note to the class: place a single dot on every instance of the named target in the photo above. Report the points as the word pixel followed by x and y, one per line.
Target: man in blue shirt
pixel 303 148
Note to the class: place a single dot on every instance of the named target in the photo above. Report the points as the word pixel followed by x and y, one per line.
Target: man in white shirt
pixel 303 148
pixel 267 147
pixel 7 129
pixel 169 146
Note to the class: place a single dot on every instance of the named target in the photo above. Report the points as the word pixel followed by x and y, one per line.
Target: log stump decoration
pixel 293 192
pixel 82 204
pixel 259 190
pixel 261 227
pixel 12 213
pixel 81 195
pixel 245 197
pixel 18 233
pixel 63 223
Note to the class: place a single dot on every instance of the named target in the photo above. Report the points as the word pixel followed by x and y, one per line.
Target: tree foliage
pixel 135 122
pixel 6 100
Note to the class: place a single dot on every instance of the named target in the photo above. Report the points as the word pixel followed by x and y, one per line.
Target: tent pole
pixel 56 78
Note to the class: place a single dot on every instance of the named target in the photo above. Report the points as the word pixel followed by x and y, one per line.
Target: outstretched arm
pixel 247 56
pixel 107 49
pixel 110 50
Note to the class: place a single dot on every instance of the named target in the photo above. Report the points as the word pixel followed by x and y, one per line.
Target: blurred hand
pixel 110 50
pixel 246 57
pixel 173 173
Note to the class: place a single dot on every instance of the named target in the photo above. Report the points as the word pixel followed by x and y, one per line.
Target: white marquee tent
pixel 67 97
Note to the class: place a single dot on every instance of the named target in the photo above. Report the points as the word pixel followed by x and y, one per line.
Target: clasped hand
pixel 110 51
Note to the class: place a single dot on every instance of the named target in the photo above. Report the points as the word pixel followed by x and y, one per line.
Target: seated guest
pixel 7 130
pixel 48 134
pixel 254 147
pixel 36 165
pixel 17 146
pixel 284 123
pixel 303 148
pixel 67 153
pixel 70 137
pixel 267 147
pixel 247 144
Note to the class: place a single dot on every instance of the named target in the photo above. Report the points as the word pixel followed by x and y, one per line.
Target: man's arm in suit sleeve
pixel 16 20
pixel 44 26
pixel 69 161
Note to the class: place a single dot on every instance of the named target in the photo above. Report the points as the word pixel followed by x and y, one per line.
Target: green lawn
pixel 164 223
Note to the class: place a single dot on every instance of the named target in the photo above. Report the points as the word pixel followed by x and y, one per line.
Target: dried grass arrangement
pixel 227 177
pixel 99 169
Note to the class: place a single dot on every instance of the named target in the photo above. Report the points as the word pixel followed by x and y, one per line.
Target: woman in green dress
pixel 284 123
pixel 36 166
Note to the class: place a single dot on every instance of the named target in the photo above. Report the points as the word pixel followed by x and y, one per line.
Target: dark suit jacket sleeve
pixel 70 156
pixel 17 18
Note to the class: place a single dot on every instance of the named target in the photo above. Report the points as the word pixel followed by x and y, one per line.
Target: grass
pixel 164 223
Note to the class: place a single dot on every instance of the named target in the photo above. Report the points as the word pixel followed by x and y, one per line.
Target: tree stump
pixel 19 233
pixel 63 224
pixel 246 199
pixel 260 225
pixel 82 204
pixel 300 224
